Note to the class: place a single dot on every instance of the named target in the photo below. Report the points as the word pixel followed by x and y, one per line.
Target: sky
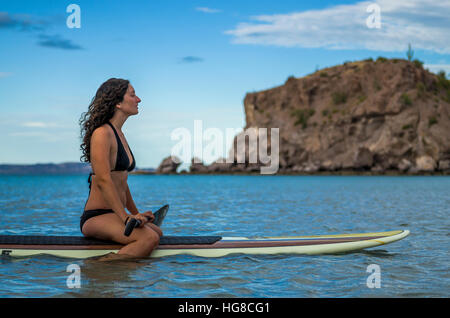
pixel 187 60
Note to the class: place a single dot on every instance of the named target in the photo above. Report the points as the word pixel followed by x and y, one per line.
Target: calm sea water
pixel 417 266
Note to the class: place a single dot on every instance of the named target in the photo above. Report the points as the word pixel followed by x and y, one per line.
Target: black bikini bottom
pixel 90 214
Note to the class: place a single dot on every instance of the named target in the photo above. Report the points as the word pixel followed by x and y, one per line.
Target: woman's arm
pixel 131 206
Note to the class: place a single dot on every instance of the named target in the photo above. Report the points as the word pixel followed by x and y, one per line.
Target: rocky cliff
pixel 378 116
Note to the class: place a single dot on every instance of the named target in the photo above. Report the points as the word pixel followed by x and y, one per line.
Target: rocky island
pixel 372 116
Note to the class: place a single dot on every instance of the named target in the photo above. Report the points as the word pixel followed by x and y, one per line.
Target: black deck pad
pixel 80 240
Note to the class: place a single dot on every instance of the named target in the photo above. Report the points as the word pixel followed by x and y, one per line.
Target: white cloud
pixel 35 124
pixel 423 23
pixel 41 136
pixel 40 124
pixel 207 10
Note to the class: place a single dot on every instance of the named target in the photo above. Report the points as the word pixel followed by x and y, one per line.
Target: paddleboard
pixel 203 246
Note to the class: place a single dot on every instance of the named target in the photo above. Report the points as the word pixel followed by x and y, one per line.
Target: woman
pixel 105 147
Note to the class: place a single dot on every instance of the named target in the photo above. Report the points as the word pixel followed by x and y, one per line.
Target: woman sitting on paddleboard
pixel 105 147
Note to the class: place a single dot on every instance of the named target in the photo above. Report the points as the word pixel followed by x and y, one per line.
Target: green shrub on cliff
pixel 361 98
pixel 405 99
pixel 339 97
pixel 443 81
pixel 302 116
pixel 407 126
pixel 420 89
pixel 418 63
pixel 431 121
pixel 447 98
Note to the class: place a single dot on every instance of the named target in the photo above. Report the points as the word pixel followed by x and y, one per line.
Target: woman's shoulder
pixel 102 132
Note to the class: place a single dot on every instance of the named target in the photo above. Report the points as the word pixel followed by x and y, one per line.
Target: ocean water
pixel 417 266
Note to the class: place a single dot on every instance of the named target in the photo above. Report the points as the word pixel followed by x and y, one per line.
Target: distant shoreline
pixel 75 168
pixel 319 173
pixel 66 168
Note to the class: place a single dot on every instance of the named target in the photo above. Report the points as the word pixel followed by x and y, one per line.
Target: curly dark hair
pixel 100 111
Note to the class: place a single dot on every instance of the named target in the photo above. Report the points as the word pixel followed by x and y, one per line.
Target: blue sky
pixel 187 60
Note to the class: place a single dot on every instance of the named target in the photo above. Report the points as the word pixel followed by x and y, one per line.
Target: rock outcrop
pixel 376 116
pixel 197 166
pixel 169 165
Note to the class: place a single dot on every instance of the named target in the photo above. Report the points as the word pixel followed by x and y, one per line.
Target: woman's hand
pixel 140 217
pixel 149 215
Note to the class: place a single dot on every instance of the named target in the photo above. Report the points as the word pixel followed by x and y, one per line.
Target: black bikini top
pixel 122 160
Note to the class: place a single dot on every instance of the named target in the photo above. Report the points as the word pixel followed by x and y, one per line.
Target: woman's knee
pixel 149 238
pixel 158 230
pixel 155 228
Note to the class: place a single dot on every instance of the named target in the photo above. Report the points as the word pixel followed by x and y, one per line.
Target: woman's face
pixel 130 102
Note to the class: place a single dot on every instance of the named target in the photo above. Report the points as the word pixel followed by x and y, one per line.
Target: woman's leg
pixel 156 228
pixel 140 243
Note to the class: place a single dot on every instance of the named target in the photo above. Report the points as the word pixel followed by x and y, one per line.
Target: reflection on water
pixel 241 206
pixel 111 275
